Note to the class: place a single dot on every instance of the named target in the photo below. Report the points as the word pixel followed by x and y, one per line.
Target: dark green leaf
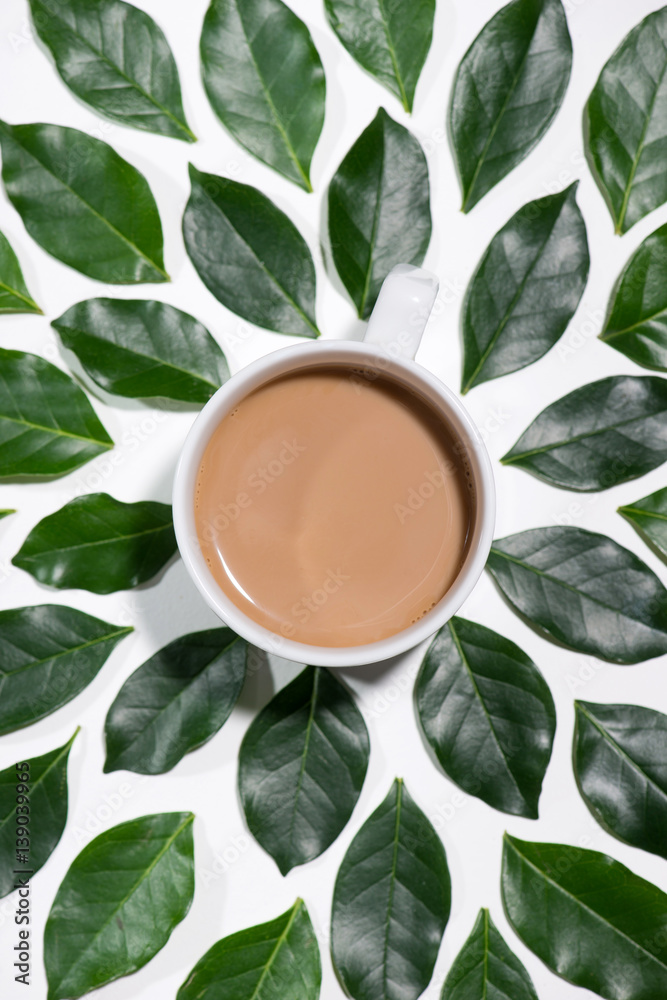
pixel 47 425
pixel 36 825
pixel 302 764
pixel 486 968
pixel 584 590
pixel 391 903
pixel 272 961
pixel 14 296
pixel 83 203
pixel 626 123
pixel 143 349
pixel 48 654
pixel 391 41
pixel 118 903
pixel 6 513
pixel 379 209
pixel 588 917
pixel 620 763
pixel 99 544
pixel 507 90
pixel 488 714
pixel 598 436
pixel 175 702
pixel 526 288
pixel 265 81
pixel 249 255
pixel 115 58
pixel 649 517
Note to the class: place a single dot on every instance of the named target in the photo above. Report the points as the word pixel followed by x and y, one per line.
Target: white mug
pixel 392 338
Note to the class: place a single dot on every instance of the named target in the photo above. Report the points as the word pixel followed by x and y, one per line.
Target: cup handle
pixel 402 310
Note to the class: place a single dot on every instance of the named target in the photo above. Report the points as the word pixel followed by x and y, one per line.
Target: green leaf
pixel 175 701
pixel 47 425
pixel 589 918
pixel 265 81
pixel 488 714
pixel 507 90
pixel 249 255
pixel 626 123
pixel 486 968
pixel 584 590
pixel 118 903
pixel 83 203
pixel 99 544
pixel 48 654
pixel 391 41
pixel 391 903
pixel 6 513
pixel 302 765
pixel 14 296
pixel 143 349
pixel 273 961
pixel 115 58
pixel 620 763
pixel 649 517
pixel 379 209
pixel 598 436
pixel 36 825
pixel 526 288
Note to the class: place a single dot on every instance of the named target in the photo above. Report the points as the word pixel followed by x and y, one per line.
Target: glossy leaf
pixel 649 517
pixel 249 255
pixel 47 425
pixel 302 764
pixel 584 590
pixel 526 288
pixel 620 763
pixel 488 715
pixel 33 827
pixel 118 903
pixel 626 123
pixel 391 903
pixel 598 436
pixel 589 918
pixel 265 81
pixel 175 701
pixel 115 58
pixel 486 968
pixel 272 961
pixel 83 203
pixel 507 90
pixel 99 544
pixel 14 296
pixel 142 349
pixel 48 654
pixel 379 209
pixel 391 41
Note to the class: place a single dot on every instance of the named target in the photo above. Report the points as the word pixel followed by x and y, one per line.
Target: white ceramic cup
pixel 392 338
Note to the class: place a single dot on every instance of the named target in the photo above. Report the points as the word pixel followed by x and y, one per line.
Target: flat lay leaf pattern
pixel 507 90
pixel 302 765
pixel 143 349
pixel 379 209
pixel 118 903
pixel 391 903
pixel 14 296
pixel 488 715
pixel 115 57
pixel 649 517
pixel 598 436
pixel 584 590
pixel 249 255
pixel 175 701
pixel 526 288
pixel 265 81
pixel 83 203
pixel 48 654
pixel 47 425
pixel 271 961
pixel 589 918
pixel 486 969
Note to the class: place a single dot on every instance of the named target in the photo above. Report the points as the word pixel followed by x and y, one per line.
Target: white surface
pixel 252 890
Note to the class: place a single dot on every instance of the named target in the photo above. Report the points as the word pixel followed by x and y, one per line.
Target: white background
pixel 251 890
